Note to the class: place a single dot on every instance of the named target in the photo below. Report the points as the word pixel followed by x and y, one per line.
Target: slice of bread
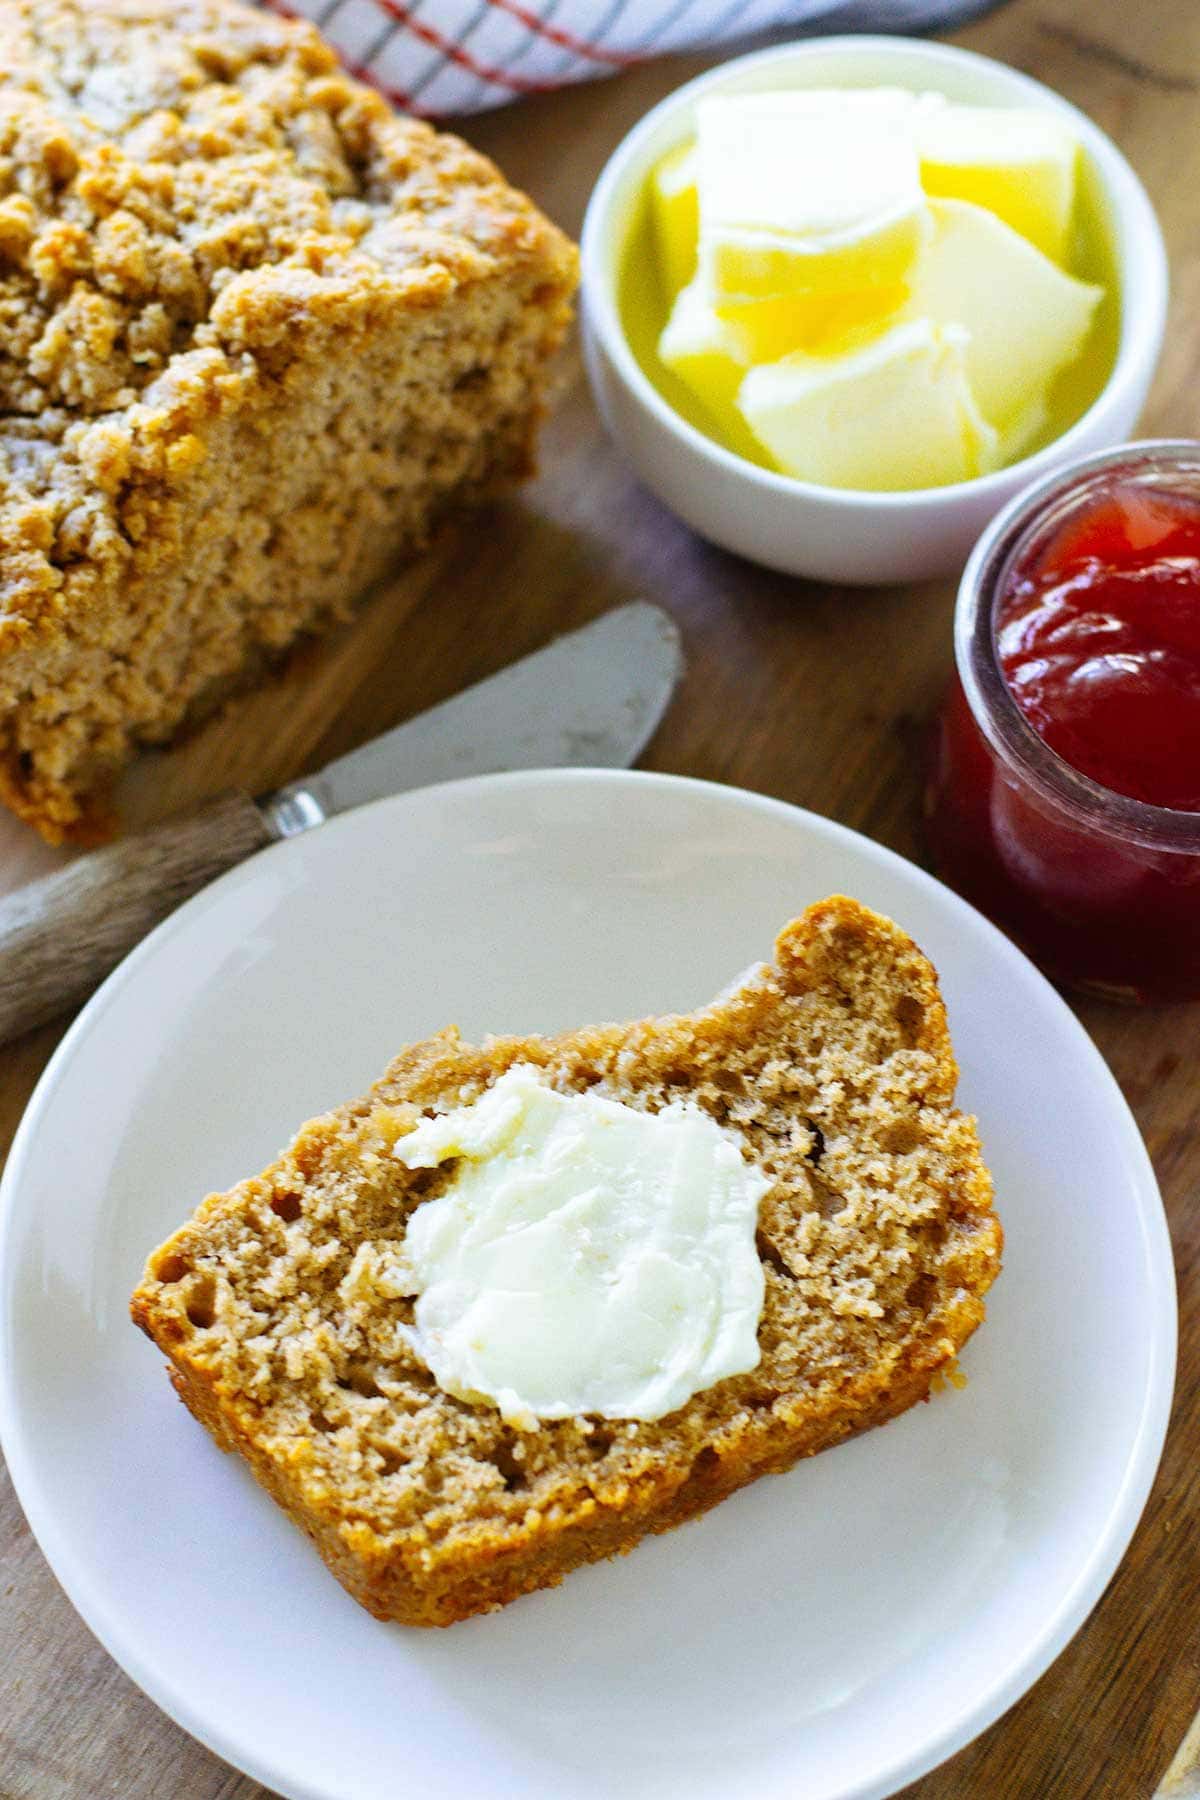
pixel 833 1066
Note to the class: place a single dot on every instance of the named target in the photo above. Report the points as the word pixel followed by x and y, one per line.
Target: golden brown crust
pixel 877 1238
pixel 257 334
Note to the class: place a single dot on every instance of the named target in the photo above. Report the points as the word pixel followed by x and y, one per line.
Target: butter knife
pixel 590 698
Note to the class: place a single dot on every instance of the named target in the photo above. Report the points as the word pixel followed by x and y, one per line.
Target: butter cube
pixel 895 414
pixel 710 355
pixel 675 209
pixel 711 351
pixel 815 192
pixel 1026 318
pixel 1017 162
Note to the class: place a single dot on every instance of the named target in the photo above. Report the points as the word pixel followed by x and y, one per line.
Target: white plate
pixel 826 1634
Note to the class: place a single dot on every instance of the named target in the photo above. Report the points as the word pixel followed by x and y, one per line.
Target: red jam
pixel 1098 635
pixel 1064 798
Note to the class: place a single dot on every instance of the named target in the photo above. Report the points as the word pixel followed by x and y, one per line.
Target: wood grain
pixel 61 935
pixel 816 695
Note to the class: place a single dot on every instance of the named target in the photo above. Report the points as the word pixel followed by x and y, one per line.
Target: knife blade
pixel 590 698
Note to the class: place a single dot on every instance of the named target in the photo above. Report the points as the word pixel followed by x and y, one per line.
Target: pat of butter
pixel 711 356
pixel 676 213
pixel 1026 319
pixel 894 414
pixel 586 1257
pixel 807 191
pixel 712 351
pixel 1017 162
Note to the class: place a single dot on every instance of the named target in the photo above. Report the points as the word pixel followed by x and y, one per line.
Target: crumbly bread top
pixel 186 186
pixel 833 1066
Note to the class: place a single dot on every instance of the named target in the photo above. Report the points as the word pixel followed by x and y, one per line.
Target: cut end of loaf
pixel 832 1065
pixel 259 336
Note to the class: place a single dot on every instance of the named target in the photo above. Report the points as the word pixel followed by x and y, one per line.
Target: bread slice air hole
pixel 921 1292
pixel 910 1017
pixel 829 1202
pixel 511 1469
pixel 770 1253
pixel 201 1305
pixel 761 1402
pixel 360 1380
pixel 286 1205
pixel 170 1268
pixel 705 1464
pixel 901 1137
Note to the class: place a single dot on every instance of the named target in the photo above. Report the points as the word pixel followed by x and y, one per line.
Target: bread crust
pixel 258 336
pixel 454 1554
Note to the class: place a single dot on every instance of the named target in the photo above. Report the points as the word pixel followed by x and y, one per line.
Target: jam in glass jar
pixel 1064 793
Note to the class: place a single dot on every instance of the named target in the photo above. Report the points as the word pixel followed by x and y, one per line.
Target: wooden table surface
pixel 815 695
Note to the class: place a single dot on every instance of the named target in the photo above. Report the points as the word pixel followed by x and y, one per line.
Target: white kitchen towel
pixel 439 57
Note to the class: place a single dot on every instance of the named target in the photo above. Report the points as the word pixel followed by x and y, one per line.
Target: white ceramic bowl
pixel 799 527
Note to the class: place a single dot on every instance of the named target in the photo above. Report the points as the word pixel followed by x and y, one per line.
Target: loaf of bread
pixel 257 336
pixel 833 1069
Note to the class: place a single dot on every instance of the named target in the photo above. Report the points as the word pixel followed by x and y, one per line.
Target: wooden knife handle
pixel 60 936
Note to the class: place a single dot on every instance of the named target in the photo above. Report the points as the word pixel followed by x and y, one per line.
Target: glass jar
pixel 1103 891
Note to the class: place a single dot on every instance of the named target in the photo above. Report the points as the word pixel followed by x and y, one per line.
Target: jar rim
pixel 1004 726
